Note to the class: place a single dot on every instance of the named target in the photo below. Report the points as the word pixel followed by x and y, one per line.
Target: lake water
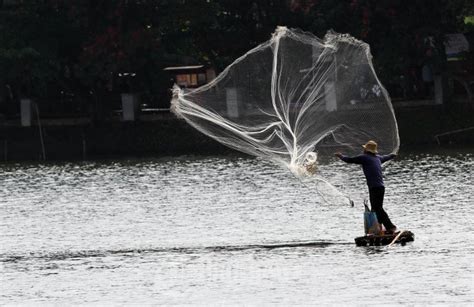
pixel 190 230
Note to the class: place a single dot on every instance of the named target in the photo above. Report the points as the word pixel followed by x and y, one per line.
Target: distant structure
pixel 459 49
pixel 191 76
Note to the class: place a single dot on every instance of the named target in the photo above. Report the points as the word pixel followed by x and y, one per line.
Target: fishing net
pixel 295 99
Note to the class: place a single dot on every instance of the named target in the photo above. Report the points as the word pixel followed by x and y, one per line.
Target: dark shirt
pixel 372 167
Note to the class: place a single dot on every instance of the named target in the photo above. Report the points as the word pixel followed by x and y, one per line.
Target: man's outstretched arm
pixel 356 159
pixel 387 157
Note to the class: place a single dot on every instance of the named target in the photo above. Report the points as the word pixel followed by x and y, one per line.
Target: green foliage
pixel 403 35
pixel 26 58
pixel 79 46
pixel 469 23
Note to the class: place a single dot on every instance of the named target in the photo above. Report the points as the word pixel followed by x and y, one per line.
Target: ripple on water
pixel 216 230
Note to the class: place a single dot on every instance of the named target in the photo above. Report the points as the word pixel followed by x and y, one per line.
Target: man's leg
pixel 376 201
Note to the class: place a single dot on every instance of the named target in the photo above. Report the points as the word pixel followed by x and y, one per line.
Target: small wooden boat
pixel 386 239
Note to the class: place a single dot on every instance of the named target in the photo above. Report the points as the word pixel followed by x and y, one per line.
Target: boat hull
pixel 386 239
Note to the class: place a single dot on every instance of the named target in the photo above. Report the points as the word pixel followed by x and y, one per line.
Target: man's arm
pixel 356 159
pixel 387 157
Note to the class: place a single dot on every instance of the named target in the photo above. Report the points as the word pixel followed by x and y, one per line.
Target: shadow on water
pixel 5 258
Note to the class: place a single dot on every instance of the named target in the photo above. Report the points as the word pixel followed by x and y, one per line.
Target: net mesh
pixel 295 99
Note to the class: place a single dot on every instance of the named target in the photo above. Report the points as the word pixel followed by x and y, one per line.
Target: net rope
pixel 295 99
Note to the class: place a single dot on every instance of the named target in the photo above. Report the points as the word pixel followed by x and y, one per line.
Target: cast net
pixel 295 99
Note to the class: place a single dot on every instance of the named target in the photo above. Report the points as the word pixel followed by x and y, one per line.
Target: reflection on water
pixel 223 230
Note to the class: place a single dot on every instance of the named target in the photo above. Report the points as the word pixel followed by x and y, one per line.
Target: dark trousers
pixel 376 202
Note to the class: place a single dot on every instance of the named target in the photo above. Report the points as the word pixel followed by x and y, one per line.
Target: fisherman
pixel 372 166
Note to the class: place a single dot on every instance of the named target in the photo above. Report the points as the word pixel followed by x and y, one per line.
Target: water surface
pixel 194 230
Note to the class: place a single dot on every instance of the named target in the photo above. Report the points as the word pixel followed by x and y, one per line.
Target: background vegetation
pixel 76 55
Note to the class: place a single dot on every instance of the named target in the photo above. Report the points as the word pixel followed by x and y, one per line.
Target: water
pixel 190 230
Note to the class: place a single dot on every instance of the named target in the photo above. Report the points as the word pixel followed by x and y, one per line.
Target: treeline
pixel 75 54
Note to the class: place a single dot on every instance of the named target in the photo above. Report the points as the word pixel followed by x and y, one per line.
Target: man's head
pixel 370 147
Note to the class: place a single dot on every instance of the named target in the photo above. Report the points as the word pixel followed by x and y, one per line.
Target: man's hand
pixel 338 154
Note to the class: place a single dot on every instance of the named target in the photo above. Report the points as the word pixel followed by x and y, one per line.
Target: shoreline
pixel 162 134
